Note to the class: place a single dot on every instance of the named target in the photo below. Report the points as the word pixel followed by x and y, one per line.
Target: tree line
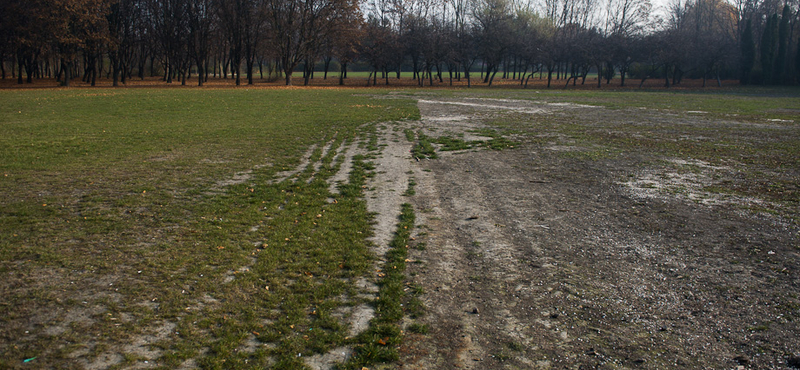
pixel 754 41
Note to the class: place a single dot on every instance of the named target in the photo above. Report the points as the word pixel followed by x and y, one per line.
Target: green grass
pixel 423 148
pixel 380 342
pixel 112 208
pixel 410 191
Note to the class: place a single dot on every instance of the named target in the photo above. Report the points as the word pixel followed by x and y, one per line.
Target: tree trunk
pixel 93 72
pixel 59 71
pixel 115 71
pixel 522 75
pixel 342 72
pixel 599 75
pixel 491 79
pixel 236 69
pixel 19 66
pixel 450 74
pixel 200 74
pixel 249 63
pixel 29 69
pixel 67 67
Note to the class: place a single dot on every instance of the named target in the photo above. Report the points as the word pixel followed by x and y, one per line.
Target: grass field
pixel 149 222
pixel 117 227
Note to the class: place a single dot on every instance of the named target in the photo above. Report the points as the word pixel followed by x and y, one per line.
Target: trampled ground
pixel 625 237
pixel 553 229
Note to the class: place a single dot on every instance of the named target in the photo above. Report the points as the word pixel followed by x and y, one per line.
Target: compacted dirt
pixel 537 259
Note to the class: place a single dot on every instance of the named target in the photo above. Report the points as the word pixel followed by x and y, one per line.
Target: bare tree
pixel 200 25
pixel 345 37
pixel 125 24
pixel 493 26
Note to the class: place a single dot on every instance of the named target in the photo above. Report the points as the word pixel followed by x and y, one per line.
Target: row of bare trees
pixel 755 41
pixel 569 39
pixel 207 36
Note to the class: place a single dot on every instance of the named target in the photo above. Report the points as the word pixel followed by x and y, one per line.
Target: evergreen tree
pixel 768 40
pixel 748 53
pixel 779 75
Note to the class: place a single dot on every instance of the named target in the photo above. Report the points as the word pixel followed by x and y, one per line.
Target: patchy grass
pixel 450 144
pixel 751 136
pixel 147 224
pixel 738 103
pixel 423 148
pixel 380 342
pixel 410 191
pixel 410 135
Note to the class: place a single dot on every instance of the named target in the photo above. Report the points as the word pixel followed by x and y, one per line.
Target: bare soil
pixel 535 257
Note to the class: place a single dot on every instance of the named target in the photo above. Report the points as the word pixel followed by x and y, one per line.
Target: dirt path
pixel 534 259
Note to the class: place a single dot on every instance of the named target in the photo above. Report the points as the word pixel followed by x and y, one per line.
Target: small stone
pixel 742 360
pixel 475 311
pixel 793 361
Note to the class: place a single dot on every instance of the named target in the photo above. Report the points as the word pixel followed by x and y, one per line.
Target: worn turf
pixel 153 224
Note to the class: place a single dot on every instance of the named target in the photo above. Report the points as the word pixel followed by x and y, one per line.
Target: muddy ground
pixel 539 256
